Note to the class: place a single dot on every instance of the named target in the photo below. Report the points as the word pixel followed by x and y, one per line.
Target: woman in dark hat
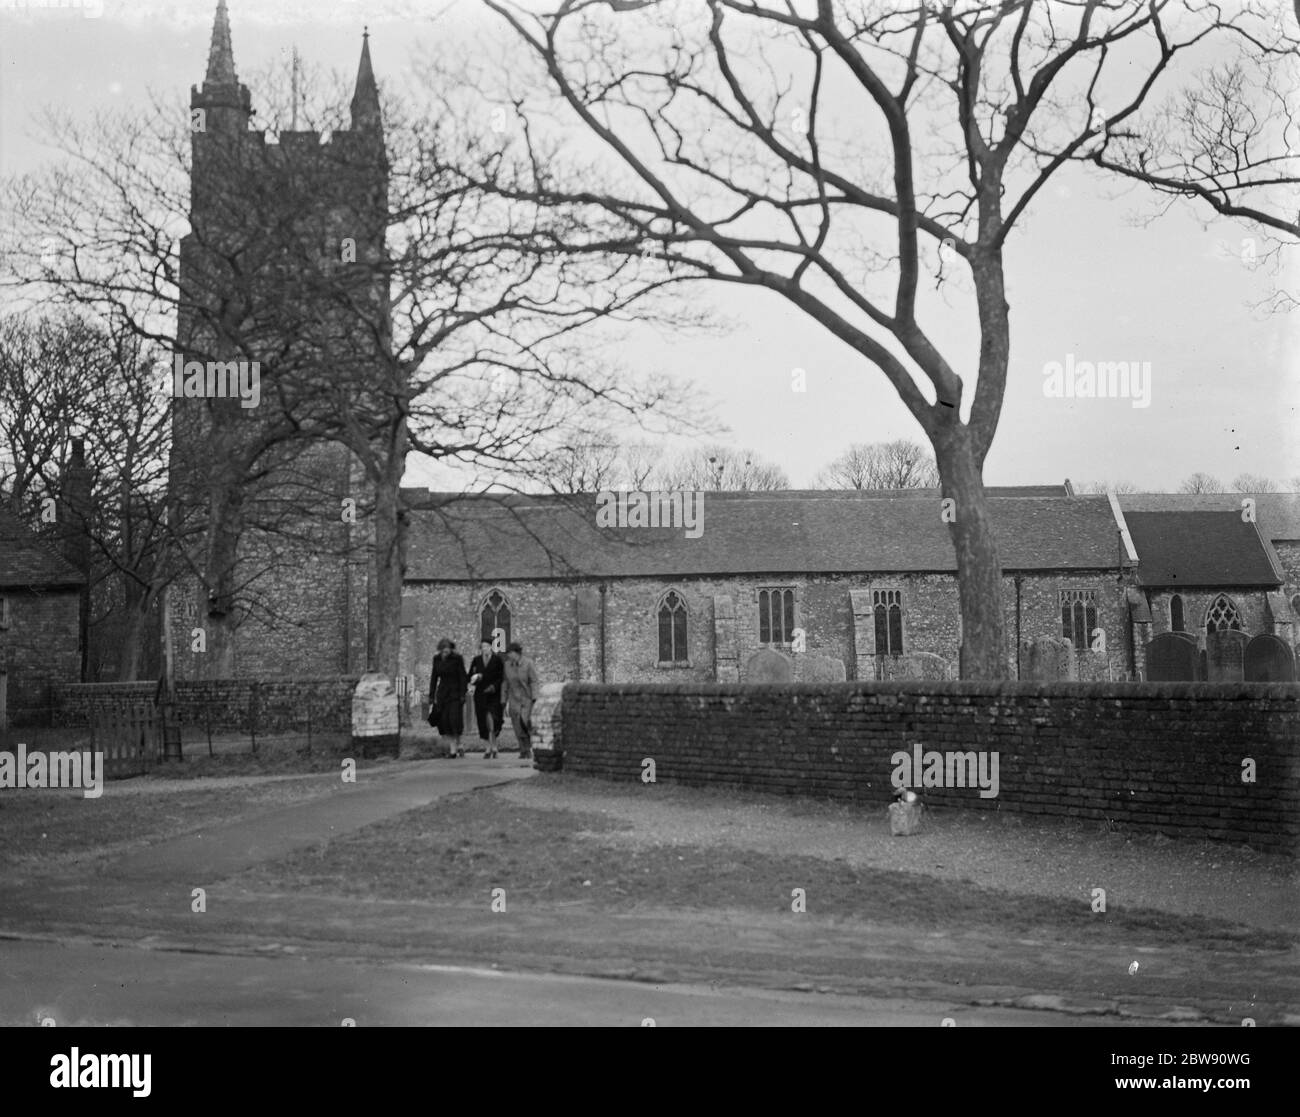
pixel 448 685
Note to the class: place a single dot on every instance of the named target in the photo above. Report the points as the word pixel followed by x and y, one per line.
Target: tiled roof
pixel 25 560
pixel 1200 549
pixel 482 537
pixel 1278 513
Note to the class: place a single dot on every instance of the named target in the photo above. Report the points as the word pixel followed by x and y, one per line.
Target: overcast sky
pixel 1087 281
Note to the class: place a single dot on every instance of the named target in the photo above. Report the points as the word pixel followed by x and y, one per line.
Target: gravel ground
pixel 1038 858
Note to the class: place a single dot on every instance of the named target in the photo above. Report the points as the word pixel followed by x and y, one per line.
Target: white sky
pixel 1084 277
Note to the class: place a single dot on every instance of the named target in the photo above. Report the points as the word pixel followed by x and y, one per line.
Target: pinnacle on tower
pixel 225 103
pixel 365 100
pixel 221 56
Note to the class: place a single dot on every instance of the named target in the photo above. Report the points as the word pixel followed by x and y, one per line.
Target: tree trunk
pixel 136 611
pixel 388 568
pixel 979 567
pixel 225 527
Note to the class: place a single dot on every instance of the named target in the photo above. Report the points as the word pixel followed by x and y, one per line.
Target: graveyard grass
pixel 40 828
pixel 672 883
pixel 456 850
pixel 230 754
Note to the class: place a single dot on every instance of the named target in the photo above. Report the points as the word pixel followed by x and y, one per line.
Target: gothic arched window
pixel 775 616
pixel 494 621
pixel 889 621
pixel 672 628
pixel 1176 614
pixel 1078 617
pixel 1222 614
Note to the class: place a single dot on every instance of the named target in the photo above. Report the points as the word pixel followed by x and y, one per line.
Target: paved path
pixel 377 794
pixel 87 985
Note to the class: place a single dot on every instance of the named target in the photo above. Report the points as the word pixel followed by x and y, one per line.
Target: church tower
pixel 283 333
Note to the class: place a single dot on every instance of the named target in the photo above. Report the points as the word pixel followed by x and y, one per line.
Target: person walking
pixel 520 689
pixel 486 674
pixel 448 685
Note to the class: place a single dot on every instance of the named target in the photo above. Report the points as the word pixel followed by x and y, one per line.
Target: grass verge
pixel 459 848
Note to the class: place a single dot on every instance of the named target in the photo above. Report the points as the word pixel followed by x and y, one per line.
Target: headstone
pixel 911 665
pixel 930 666
pixel 768 666
pixel 375 722
pixel 1225 654
pixel 1269 659
pixel 1173 657
pixel 905 818
pixel 1050 659
pixel 820 669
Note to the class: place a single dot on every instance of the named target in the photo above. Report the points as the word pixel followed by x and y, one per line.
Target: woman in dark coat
pixel 448 685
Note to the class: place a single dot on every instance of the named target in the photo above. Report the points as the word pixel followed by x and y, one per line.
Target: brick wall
pixel 278 705
pixel 39 650
pixel 1164 757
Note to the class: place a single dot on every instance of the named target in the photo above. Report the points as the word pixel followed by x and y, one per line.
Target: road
pixel 125 946
pixel 87 984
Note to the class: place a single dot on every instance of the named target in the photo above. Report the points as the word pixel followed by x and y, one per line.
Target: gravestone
pixel 911 665
pixel 930 666
pixel 376 725
pixel 1269 659
pixel 1173 657
pixel 820 669
pixel 1050 659
pixel 1225 654
pixel 548 730
pixel 905 818
pixel 768 666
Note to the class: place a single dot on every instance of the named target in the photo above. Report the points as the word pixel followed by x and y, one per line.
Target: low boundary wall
pixel 263 706
pixel 1196 760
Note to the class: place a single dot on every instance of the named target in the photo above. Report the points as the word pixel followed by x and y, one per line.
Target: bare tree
pixel 441 329
pixel 590 465
pixel 1100 487
pixel 640 460
pixel 1201 483
pixel 901 464
pixel 49 367
pixel 1229 141
pixel 64 379
pixel 720 468
pixel 1253 483
pixel 837 156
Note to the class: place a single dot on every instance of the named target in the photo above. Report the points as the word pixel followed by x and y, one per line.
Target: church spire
pixel 221 56
pixel 365 100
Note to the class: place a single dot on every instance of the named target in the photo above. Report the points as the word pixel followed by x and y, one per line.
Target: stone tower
pixel 283 326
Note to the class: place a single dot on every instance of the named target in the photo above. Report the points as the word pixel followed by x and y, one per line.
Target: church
pixel 843 584
pixel 283 287
pixel 725 586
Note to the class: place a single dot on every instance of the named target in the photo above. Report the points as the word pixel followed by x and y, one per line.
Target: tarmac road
pixel 83 984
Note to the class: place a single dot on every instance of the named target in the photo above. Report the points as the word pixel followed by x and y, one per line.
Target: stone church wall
pixel 546 619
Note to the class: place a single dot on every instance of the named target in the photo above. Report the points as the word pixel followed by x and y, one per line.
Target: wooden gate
pixel 129 734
